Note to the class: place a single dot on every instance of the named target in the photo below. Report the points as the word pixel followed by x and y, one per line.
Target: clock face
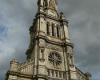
pixel 55 59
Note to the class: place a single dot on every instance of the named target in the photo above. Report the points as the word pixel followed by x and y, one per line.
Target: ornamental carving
pixel 41 43
pixel 54 58
pixel 54 47
pixel 69 50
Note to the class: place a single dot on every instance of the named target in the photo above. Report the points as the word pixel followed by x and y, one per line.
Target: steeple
pixel 50 52
pixel 52 4
pixel 49 7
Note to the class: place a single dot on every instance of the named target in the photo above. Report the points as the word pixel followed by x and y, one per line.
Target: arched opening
pixel 52 29
pixel 48 29
pixel 43 3
pixel 58 32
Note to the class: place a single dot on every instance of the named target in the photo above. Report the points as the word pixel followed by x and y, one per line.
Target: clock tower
pixel 50 46
pixel 50 52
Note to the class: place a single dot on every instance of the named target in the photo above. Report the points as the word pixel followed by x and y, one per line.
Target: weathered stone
pixel 50 53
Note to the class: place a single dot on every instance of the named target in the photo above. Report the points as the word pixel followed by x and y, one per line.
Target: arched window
pixel 44 3
pixel 58 32
pixel 52 29
pixel 48 29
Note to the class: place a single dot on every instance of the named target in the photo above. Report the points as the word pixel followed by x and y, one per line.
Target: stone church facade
pixel 50 52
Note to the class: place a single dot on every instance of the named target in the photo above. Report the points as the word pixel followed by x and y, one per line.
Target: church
pixel 50 51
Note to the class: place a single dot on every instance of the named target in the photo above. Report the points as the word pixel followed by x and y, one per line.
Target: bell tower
pixel 50 52
pixel 48 6
pixel 50 45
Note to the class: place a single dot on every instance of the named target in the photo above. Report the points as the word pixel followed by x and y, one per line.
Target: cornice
pixel 47 16
pixel 79 70
pixel 48 78
pixel 64 43
pixel 20 74
pixel 56 43
pixel 64 21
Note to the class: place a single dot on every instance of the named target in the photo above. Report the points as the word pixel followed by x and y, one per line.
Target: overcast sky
pixel 16 16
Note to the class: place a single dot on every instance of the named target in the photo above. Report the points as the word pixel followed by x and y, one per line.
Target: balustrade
pixel 27 66
pixel 55 73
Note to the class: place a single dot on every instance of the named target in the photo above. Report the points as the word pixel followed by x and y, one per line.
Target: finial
pixel 14 65
pixel 88 76
pixel 62 15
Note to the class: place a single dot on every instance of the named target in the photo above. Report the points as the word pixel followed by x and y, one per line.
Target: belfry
pixel 50 52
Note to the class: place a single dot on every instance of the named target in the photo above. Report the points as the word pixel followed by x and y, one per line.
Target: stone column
pixel 62 33
pixel 50 72
pixel 58 73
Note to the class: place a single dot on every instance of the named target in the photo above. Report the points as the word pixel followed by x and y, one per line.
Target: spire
pixel 47 4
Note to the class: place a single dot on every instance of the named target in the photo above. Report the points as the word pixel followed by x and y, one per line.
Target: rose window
pixel 55 59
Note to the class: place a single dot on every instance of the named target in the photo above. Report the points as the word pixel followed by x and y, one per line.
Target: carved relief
pixel 42 49
pixel 54 47
pixel 69 50
pixel 55 59
pixel 41 43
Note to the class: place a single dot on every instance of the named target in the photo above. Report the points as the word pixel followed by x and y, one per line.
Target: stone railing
pixel 55 74
pixel 26 67
pixel 80 75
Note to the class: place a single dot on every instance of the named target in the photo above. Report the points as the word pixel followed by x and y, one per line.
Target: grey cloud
pixel 84 31
pixel 84 27
pixel 17 17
